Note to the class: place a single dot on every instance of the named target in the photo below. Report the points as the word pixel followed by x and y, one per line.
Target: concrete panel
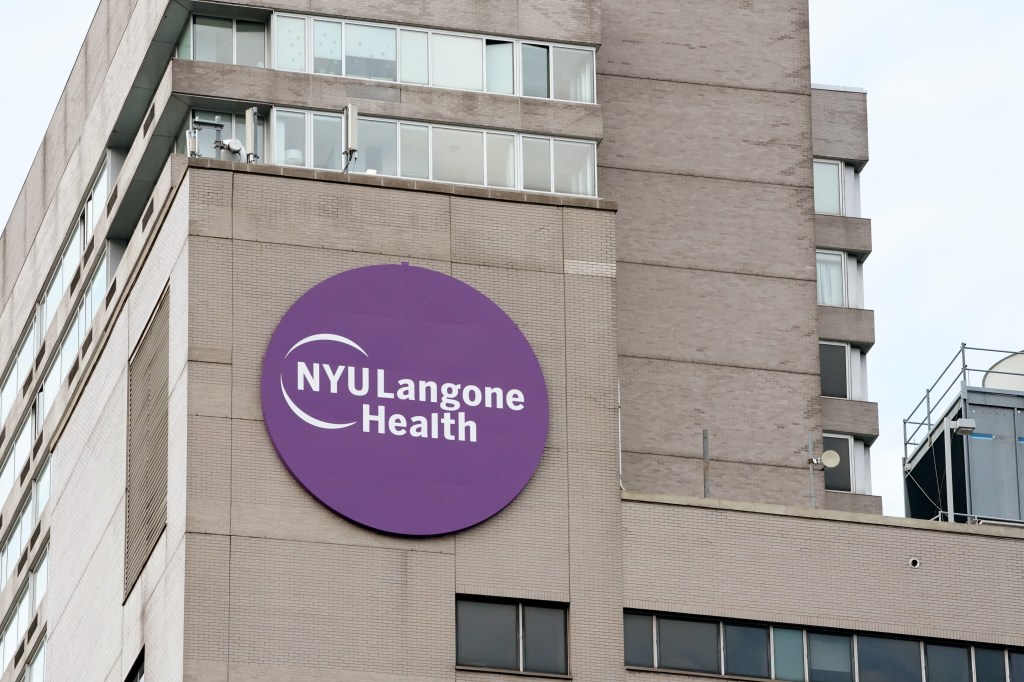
pixel 852 550
pixel 853 417
pixel 839 120
pixel 852 235
pixel 755 45
pixel 852 502
pixel 752 415
pixel 702 130
pixel 708 224
pixel 506 235
pixel 853 325
pixel 717 318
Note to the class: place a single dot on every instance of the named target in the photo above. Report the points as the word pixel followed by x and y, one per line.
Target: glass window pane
pixel 500 69
pixel 6 479
pixel 327 47
pixel 51 385
pixel 544 637
pixel 457 62
pixel 290 139
pixel 72 255
pixel 415 151
pixel 415 62
pixel 1016 666
pixel 501 160
pixel 989 665
pixel 207 135
pixel 830 658
pixel 99 196
pixel 98 288
pixel 789 654
pixel 575 167
pixel 54 294
pixel 184 47
pixel 838 477
pixel 638 634
pixel 486 634
pixel 948 663
pixel 378 148
pixel 40 581
pixel 23 444
pixel 827 191
pixel 687 645
pixel 25 353
pixel 327 143
pixel 458 156
pixel 251 43
pixel 291 43
pixel 537 164
pixel 833 370
pixel 572 74
pixel 8 394
pixel 535 71
pixel 831 288
pixel 370 52
pixel 880 659
pixel 746 651
pixel 213 40
pixel 68 350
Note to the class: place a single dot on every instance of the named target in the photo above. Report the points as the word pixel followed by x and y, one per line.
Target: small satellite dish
pixel 830 458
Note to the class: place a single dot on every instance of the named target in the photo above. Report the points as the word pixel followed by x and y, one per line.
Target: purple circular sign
pixel 404 400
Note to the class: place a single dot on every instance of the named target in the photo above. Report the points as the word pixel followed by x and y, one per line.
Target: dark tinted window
pixel 746 651
pixel 638 632
pixel 838 477
pixel 1016 666
pixel 947 663
pixel 544 648
pixel 830 658
pixel 989 665
pixel 883 660
pixel 486 634
pixel 789 655
pixel 833 370
pixel 688 645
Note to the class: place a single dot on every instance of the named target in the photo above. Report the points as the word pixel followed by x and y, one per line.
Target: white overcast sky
pixel 946 112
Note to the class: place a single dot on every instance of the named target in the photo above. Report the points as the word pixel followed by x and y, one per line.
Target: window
pixel 138 671
pixel 671 643
pixel 290 39
pixel 883 659
pixel 989 665
pixel 789 654
pixel 213 41
pixel 572 74
pixel 458 156
pixel 839 477
pixel 457 62
pixel 521 636
pixel 947 663
pixel 536 164
pixel 830 657
pixel 21 530
pixel 828 187
pixel 35 671
pixel 746 650
pixel 574 164
pixel 535 70
pixel 500 58
pixel 290 138
pixel 834 369
pixel 371 52
pixel 1016 666
pixel 378 148
pixel 415 151
pixel 831 278
pixel 415 60
pixel 233 126
pixel 327 47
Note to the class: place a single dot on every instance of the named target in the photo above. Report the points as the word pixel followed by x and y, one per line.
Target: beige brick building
pixel 658 198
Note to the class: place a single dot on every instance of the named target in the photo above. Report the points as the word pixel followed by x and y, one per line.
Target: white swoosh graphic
pixel 326 337
pixel 312 421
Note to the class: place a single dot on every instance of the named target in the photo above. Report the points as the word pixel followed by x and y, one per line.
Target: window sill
pixel 690 673
pixel 502 671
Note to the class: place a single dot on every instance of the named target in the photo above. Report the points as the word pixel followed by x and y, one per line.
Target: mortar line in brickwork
pixel 722 272
pixel 706 84
pixel 722 460
pixel 565 365
pixel 321 543
pixel 708 177
pixel 723 364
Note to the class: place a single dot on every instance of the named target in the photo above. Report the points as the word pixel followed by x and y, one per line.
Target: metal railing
pixel 968 368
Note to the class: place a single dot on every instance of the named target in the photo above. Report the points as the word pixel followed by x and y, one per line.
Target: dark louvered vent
pixel 146 494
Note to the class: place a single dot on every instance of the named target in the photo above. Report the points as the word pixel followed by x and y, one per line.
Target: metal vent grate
pixel 374 92
pixel 146 486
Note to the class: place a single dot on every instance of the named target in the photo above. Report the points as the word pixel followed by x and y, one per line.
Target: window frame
pixel 843 258
pixel 847 347
pixel 849 462
pixel 520 634
pixel 272 56
pixel 191 28
pixel 842 186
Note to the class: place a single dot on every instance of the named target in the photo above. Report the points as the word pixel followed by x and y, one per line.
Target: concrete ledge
pixel 839 125
pixel 852 325
pixel 853 502
pixel 857 418
pixel 852 235
pixel 824 515
pixel 406 184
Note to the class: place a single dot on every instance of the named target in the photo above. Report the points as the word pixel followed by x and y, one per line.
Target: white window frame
pixel 842 185
pixel 849 387
pixel 517 89
pixel 843 257
pixel 234 38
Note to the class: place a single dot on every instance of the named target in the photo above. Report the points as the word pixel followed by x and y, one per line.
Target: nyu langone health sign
pixel 404 400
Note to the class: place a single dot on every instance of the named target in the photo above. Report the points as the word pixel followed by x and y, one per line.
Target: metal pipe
pixel 949 469
pixel 707 466
pixel 810 470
